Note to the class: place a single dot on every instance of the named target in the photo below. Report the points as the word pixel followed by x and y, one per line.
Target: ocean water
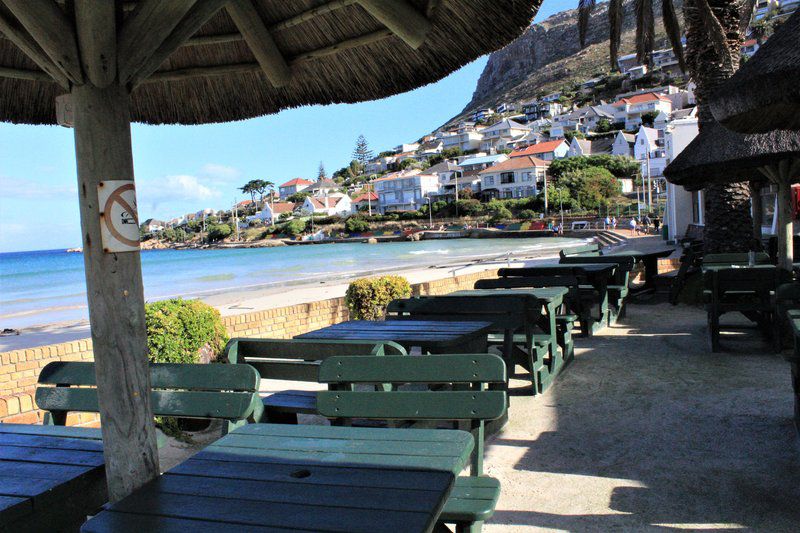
pixel 49 286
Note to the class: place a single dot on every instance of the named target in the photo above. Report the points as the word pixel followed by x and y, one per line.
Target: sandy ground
pixel 648 430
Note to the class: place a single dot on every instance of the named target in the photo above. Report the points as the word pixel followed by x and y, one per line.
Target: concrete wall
pixel 19 369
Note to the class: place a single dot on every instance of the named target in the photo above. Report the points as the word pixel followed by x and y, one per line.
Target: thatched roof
pixel 719 155
pixel 764 94
pixel 334 51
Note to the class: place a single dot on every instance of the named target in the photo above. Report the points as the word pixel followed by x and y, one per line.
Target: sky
pixel 183 169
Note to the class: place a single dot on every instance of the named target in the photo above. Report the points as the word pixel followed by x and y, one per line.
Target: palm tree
pixel 248 189
pixel 714 32
pixel 645 28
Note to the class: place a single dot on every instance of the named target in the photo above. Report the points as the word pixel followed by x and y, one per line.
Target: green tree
pixel 298 197
pixel 649 118
pixel 603 126
pixel 497 211
pixel 591 187
pixel 619 166
pixel 356 224
pixel 217 232
pixel 361 152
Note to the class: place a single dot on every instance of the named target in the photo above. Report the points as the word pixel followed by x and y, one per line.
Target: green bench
pixel 213 391
pixel 296 360
pixel 736 258
pixel 586 249
pixel 619 289
pixel 474 497
pixel 513 324
pixel 575 300
pixel 749 291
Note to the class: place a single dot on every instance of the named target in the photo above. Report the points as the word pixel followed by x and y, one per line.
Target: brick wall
pixel 19 369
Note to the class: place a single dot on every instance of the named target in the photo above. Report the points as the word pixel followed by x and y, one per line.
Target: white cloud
pixel 19 188
pixel 220 172
pixel 180 188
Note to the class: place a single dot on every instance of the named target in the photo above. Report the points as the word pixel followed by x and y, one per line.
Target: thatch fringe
pixel 323 71
pixel 719 155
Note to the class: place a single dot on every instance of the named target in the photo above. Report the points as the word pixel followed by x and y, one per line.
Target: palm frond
pixel 673 29
pixel 615 16
pixel 746 15
pixel 585 8
pixel 645 30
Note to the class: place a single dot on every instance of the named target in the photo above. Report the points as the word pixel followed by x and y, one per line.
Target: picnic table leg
pixel 602 289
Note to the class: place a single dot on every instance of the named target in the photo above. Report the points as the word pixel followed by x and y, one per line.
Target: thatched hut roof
pixel 764 94
pixel 719 155
pixel 330 52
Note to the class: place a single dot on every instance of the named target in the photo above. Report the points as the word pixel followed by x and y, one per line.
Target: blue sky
pixel 181 169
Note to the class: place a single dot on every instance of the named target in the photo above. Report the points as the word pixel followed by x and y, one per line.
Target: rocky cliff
pixel 548 56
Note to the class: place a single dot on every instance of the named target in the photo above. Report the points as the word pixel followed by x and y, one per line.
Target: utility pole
pixel 546 201
pixel 369 200
pixel 649 183
pixel 430 210
pixel 236 218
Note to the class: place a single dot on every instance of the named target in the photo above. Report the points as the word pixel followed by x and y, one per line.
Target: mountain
pixel 548 57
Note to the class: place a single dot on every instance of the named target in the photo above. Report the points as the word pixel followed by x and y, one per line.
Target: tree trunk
pixel 728 222
pixel 115 294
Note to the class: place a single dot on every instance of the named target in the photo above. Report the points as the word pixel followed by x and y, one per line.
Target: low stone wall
pixel 19 369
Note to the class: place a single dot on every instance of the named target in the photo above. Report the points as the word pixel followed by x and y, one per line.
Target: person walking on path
pixel 614 223
pixel 634 229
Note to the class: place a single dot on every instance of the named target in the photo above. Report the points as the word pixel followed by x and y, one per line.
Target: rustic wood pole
pixel 115 294
pixel 758 208
pixel 785 224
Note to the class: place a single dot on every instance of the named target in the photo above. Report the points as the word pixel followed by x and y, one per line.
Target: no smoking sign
pixel 119 223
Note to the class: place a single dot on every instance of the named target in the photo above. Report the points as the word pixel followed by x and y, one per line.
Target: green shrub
pixel 469 207
pixel 177 330
pixel 497 211
pixel 356 224
pixel 295 227
pixel 367 298
pixel 527 214
pixel 217 232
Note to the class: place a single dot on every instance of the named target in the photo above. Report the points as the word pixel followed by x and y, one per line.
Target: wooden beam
pixel 258 38
pixel 52 31
pixel 400 17
pixel 197 16
pixel 144 31
pixel 222 70
pixel 19 74
pixel 355 42
pixel 96 24
pixel 28 47
pixel 114 293
pixel 220 38
pixel 305 16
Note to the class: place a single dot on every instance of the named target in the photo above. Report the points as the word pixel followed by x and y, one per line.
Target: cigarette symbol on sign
pixel 128 215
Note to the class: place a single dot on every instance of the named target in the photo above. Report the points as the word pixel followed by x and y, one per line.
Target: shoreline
pixel 246 300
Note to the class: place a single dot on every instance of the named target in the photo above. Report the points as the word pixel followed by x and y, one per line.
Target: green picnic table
pixel 650 261
pixel 270 477
pixel 51 477
pixel 432 336
pixel 598 275
pixel 549 298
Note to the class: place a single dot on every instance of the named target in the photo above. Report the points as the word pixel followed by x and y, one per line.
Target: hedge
pixel 367 298
pixel 177 330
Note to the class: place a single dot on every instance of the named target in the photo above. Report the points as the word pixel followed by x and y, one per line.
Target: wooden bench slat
pixel 467 368
pixel 52 456
pixel 110 521
pixel 355 433
pixel 408 405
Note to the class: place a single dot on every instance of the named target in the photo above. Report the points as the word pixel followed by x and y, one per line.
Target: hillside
pixel 547 57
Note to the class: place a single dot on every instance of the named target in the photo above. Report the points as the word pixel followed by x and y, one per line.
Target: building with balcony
pixel 546 151
pixel 405 190
pixel 293 186
pixel 630 110
pixel 520 177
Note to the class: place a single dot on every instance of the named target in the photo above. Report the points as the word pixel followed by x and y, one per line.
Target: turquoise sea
pixel 49 286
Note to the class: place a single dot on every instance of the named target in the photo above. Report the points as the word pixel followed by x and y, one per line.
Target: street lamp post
pixel 430 210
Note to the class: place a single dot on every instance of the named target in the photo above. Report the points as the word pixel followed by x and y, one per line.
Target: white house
pixel 505 128
pixel 623 144
pixel 334 204
pixel 481 162
pixel 406 147
pixel 323 187
pixel 547 151
pixel 379 164
pixel 630 110
pixel 405 190
pixel 519 177
pixel 365 202
pixel 293 186
pixel 465 139
pixel 598 146
pixel 649 151
pixel 151 224
pixel 683 207
pixel 273 211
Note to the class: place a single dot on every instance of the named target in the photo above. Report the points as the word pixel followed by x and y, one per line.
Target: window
pixel 398 196
pixel 695 207
pixel 506 177
pixel 526 176
pixel 507 193
pixel 489 180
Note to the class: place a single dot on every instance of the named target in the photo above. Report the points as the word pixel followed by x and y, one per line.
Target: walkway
pixel 647 430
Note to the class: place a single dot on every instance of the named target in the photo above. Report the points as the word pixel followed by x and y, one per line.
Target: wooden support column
pixel 258 39
pixel 115 294
pixel 785 225
pixel 758 208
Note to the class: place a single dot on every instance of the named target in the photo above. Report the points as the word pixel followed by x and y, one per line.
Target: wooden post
pixel 115 294
pixel 758 208
pixel 785 224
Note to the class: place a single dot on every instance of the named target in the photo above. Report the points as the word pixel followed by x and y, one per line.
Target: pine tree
pixel 321 175
pixel 362 153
